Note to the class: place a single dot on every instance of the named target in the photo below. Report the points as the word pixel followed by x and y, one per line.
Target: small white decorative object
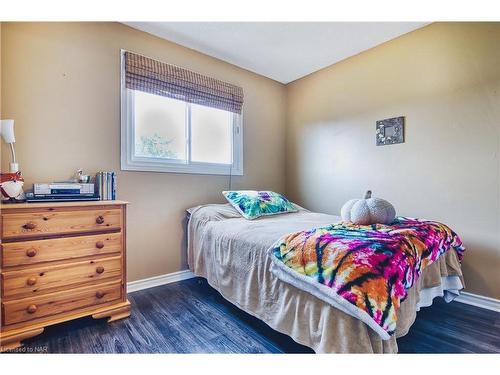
pixel 368 211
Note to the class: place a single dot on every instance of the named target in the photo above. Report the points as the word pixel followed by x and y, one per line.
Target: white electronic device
pixel 63 191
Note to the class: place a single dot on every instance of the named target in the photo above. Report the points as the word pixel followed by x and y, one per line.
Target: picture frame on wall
pixel 390 131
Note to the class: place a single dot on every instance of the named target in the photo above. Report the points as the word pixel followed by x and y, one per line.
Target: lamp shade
pixel 7 130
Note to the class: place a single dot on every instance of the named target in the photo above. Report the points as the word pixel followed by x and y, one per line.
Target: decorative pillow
pixel 252 204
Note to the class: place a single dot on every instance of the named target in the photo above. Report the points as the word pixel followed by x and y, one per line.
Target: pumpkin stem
pixel 368 194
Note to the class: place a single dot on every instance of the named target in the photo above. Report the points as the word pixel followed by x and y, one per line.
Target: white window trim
pixel 129 162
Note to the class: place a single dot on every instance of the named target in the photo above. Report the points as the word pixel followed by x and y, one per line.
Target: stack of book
pixel 105 184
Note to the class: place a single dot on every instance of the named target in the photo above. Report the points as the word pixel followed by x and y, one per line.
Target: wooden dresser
pixel 60 261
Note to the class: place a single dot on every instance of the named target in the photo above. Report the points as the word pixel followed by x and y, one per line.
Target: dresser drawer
pixel 36 280
pixel 26 309
pixel 54 222
pixel 32 252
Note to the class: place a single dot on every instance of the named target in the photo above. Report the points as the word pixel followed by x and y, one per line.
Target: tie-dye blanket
pixel 365 270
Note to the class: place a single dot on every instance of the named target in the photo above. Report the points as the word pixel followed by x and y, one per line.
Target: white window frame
pixel 130 162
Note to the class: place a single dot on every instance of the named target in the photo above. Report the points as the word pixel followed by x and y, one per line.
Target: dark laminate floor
pixel 191 317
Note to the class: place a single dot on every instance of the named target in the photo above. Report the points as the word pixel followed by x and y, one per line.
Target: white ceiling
pixel 283 51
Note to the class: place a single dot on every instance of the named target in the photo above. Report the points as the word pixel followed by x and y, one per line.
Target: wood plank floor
pixel 191 317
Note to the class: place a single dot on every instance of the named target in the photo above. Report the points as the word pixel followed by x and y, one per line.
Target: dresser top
pixel 25 205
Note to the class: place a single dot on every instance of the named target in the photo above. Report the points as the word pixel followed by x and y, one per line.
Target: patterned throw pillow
pixel 252 204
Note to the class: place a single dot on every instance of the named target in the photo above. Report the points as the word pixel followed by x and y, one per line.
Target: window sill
pixel 207 169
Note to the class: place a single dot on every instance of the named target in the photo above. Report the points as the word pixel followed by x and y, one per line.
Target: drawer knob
pixel 31 280
pixel 29 226
pixel 31 252
pixel 99 294
pixel 31 309
pixel 99 219
pixel 99 269
pixel 99 244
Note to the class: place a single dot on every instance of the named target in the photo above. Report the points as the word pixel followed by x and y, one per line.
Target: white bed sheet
pixel 231 253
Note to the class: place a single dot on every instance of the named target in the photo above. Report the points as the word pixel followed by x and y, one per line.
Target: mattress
pixel 232 254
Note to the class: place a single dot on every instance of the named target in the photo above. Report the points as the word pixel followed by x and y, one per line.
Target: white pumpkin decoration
pixel 368 211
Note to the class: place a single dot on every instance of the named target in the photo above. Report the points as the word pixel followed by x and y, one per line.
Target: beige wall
pixel 445 78
pixel 61 84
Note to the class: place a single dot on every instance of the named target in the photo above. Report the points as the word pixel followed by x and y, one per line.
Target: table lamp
pixel 11 184
pixel 7 129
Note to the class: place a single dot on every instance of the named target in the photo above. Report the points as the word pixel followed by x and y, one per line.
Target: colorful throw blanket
pixel 365 270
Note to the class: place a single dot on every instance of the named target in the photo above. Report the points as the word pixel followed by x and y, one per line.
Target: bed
pixel 232 254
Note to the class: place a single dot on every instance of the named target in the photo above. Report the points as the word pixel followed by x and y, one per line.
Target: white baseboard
pixel 479 301
pixel 133 286
pixel 151 282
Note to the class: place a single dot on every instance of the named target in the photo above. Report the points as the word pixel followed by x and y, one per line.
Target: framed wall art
pixel 390 131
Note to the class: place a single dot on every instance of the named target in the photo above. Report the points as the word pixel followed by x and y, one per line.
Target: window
pixel 173 133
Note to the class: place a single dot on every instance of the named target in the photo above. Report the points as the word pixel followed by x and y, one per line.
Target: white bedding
pixel 231 253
